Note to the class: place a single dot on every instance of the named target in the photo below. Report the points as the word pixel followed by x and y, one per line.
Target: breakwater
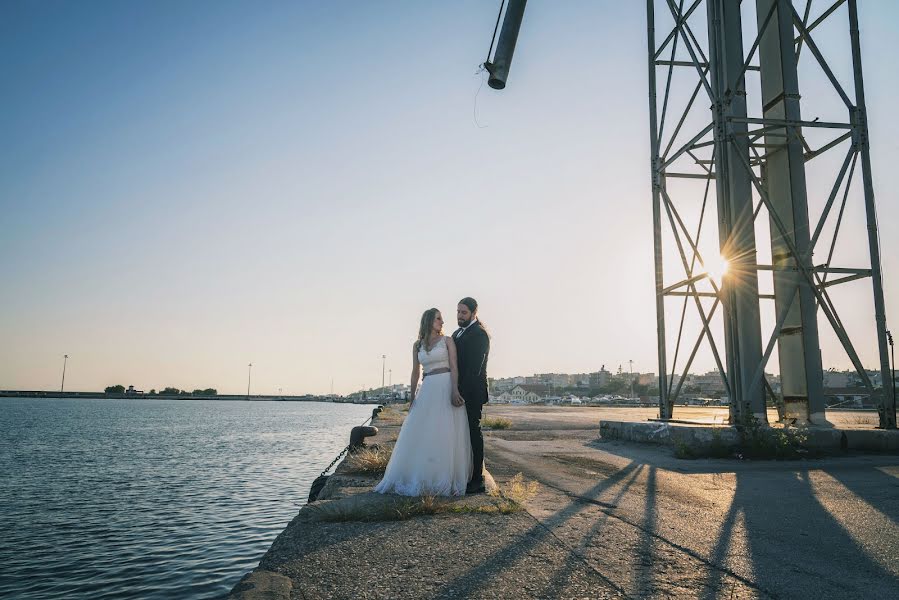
pixel 127 396
pixel 610 519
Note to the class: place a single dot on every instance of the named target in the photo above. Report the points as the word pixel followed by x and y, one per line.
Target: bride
pixel 432 454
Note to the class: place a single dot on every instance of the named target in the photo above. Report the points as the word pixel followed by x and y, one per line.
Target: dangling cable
pixel 474 109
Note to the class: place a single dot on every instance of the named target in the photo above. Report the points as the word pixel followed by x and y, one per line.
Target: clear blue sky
pixel 190 186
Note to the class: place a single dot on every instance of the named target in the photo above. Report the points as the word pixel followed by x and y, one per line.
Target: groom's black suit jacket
pixel 472 350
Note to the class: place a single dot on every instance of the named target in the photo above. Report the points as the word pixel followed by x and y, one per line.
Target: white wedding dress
pixel 432 455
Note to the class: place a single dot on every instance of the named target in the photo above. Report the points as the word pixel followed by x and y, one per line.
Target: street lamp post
pixel 62 386
pixel 383 366
pixel 249 378
pixel 893 368
pixel 632 377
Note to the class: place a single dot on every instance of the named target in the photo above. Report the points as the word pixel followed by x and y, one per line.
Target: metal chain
pixel 334 462
pixel 344 451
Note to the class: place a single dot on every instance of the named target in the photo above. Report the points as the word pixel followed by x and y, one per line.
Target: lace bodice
pixel 437 358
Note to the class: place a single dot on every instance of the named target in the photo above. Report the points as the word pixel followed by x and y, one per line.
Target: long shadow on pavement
pixel 797 548
pixel 494 564
pixel 556 586
pixel 875 490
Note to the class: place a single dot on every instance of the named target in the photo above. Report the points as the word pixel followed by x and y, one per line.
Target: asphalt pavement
pixel 656 526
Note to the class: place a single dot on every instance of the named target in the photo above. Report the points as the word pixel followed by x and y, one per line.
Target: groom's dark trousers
pixel 472 350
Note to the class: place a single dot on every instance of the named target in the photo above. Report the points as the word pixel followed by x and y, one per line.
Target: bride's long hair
pixel 424 329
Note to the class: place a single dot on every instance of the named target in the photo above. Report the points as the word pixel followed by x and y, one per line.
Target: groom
pixel 472 347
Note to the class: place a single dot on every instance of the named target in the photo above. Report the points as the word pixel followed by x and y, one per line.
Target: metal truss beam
pixel 773 144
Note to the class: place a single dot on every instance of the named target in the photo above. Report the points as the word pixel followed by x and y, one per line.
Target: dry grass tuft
pixel 495 423
pixel 424 505
pixel 509 499
pixel 372 459
pixel 352 508
pixel 391 415
pixel 376 508
pixel 519 491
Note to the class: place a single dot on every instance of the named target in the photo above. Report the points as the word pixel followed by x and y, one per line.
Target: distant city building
pixel 710 382
pixel 580 380
pixel 530 393
pixel 836 379
pixel 502 398
pixel 502 385
pixel 557 380
pixel 649 379
pixel 846 397
pixel 600 378
pixel 842 388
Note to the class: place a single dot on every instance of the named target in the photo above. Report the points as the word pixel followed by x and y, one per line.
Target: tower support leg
pixel 740 290
pixel 798 346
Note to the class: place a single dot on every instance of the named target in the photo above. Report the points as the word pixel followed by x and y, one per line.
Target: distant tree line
pixel 173 391
pixel 169 391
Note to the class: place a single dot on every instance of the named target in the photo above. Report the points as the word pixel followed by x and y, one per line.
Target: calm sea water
pixel 153 498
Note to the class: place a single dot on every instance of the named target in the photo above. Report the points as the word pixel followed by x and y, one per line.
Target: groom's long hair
pixel 424 329
pixel 472 305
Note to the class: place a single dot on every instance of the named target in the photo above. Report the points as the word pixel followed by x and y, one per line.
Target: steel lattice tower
pixel 757 163
pixel 748 146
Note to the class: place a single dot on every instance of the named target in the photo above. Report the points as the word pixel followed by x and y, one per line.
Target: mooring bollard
pixel 357 441
pixel 317 486
pixel 358 435
pixel 376 411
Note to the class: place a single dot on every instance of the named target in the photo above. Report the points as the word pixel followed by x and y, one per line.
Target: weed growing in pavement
pixel 758 441
pixel 508 499
pixel 495 423
pixel 392 416
pixel 717 448
pixel 684 450
pixel 366 510
pixel 371 459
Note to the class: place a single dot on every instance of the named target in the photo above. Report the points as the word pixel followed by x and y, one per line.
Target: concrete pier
pixel 612 518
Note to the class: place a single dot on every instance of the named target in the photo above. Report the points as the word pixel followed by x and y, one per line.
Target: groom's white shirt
pixel 464 329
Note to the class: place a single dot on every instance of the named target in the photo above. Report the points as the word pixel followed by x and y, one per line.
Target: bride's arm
pixel 454 372
pixel 416 373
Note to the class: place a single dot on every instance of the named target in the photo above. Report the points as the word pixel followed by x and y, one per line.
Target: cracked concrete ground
pixel 613 520
pixel 657 526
